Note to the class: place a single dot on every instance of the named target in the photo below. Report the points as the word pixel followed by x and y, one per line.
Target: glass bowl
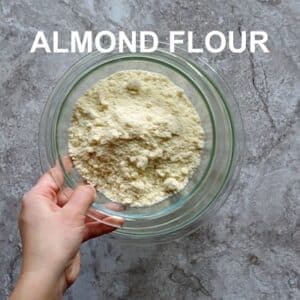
pixel 210 185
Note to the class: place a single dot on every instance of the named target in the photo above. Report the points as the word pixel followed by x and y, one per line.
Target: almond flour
pixel 136 137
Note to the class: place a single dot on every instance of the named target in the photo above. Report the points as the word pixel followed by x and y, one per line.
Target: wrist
pixel 37 285
pixel 47 268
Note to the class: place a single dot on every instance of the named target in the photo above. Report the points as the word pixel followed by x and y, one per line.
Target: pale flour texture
pixel 136 137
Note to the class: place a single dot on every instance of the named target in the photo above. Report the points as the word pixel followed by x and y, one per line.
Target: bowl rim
pixel 178 204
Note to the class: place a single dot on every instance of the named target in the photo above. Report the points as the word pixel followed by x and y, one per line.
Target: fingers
pixel 72 271
pixel 63 196
pixel 47 185
pixel 95 229
pixel 50 183
pixel 80 200
pixel 66 163
pixel 114 206
pixel 94 214
pixel 115 222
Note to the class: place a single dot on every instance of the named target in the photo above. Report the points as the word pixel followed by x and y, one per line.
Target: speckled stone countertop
pixel 250 248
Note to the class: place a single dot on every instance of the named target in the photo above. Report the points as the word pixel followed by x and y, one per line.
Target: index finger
pixel 53 180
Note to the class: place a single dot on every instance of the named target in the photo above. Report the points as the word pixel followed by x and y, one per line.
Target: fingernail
pixel 89 186
pixel 92 188
pixel 118 218
pixel 114 206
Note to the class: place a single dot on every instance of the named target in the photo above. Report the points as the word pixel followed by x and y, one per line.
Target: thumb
pixel 81 199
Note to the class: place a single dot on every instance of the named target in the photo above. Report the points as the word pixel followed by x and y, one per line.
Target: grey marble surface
pixel 250 248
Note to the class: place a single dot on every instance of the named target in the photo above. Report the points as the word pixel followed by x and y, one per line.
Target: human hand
pixel 53 224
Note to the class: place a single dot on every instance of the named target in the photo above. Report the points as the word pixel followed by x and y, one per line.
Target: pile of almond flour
pixel 136 137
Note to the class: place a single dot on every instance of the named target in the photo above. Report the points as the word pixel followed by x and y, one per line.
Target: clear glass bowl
pixel 210 185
